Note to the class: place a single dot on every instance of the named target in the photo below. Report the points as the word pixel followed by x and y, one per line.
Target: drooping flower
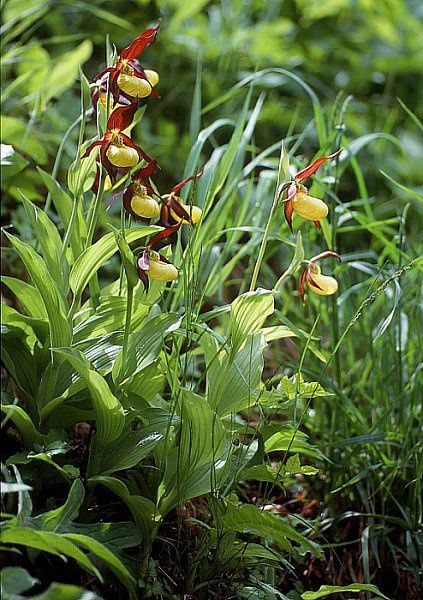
pixel 174 209
pixel 297 199
pixel 138 197
pixel 151 264
pixel 127 76
pixel 118 153
pixel 324 285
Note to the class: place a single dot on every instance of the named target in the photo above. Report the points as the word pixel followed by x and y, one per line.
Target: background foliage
pixel 218 63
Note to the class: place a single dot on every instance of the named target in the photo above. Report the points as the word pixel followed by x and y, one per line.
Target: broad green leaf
pixel 15 580
pixel 50 242
pixel 108 317
pixel 64 205
pixel 145 513
pixel 250 519
pixel 144 346
pixel 248 313
pixel 59 519
pixel 110 416
pixel 28 296
pixel 18 359
pixel 23 422
pixel 65 591
pixel 99 550
pixel 233 381
pixel 91 260
pixel 13 132
pixel 128 450
pixel 355 588
pixel 201 444
pixel 288 439
pixel 52 543
pixel 64 73
pixel 54 302
pixel 81 174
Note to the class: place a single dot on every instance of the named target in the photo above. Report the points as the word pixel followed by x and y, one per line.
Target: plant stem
pixel 263 244
pixel 129 300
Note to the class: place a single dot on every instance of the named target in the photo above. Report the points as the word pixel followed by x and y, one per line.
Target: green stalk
pixel 263 244
pixel 129 302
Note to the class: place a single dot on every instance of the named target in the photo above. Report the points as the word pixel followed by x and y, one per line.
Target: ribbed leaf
pixel 52 543
pixel 99 550
pixel 201 443
pixel 248 313
pixel 23 422
pixel 250 519
pixel 64 205
pixel 50 242
pixel 91 260
pixel 110 416
pixel 60 331
pixel 27 295
pixel 355 588
pixel 144 346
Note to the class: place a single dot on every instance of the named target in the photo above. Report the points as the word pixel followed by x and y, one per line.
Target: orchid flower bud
pixel 323 285
pixel 307 207
pixel 122 156
pixel 160 270
pixel 134 86
pixel 152 76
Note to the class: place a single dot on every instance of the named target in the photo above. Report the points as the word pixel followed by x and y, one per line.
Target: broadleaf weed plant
pixel 145 401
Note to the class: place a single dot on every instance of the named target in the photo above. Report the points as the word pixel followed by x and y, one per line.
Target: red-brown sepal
pixel 177 188
pixel 311 169
pixel 161 236
pixel 288 210
pixel 325 254
pixel 138 46
pixel 122 117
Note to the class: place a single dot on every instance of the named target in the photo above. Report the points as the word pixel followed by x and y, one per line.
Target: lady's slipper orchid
pixel 117 151
pixel 174 208
pixel 151 264
pixel 298 201
pixel 128 76
pixel 324 285
pixel 138 197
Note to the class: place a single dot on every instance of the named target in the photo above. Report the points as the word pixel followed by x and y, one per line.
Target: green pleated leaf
pixel 144 346
pixel 248 313
pixel 28 296
pixel 18 359
pixel 50 242
pixel 54 302
pixel 233 381
pixel 52 543
pixel 91 260
pixel 99 550
pixel 63 204
pixel 59 519
pixel 143 510
pixel 355 588
pixel 128 450
pixel 110 416
pixel 250 519
pixel 201 444
pixel 23 422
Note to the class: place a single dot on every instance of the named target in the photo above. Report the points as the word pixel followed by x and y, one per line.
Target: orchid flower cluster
pixel 298 201
pixel 120 89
